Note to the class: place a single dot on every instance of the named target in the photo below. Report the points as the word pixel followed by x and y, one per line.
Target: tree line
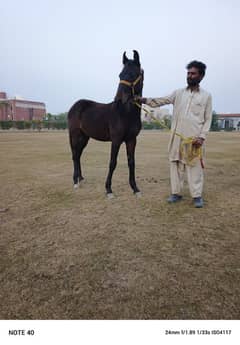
pixel 59 121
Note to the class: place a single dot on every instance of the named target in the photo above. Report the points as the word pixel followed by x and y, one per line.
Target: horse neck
pixel 118 95
pixel 131 111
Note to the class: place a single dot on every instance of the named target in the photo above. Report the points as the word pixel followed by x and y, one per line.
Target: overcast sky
pixel 59 51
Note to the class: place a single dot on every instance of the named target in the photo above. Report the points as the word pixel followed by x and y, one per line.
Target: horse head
pixel 131 79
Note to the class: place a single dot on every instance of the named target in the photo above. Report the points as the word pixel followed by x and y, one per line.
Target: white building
pixel 157 113
pixel 227 121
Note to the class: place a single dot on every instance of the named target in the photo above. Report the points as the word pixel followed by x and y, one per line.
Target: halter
pixel 131 84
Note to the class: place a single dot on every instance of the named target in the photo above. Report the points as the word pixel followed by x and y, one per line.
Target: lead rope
pixel 188 151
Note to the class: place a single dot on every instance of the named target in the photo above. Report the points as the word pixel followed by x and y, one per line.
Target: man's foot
pixel 174 198
pixel 198 202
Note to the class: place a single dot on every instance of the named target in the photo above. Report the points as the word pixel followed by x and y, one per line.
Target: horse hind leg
pixel 78 143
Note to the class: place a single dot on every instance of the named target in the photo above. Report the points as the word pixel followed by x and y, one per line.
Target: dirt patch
pixel 69 254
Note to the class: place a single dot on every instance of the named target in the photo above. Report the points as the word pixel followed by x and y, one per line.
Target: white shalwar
pixel 192 116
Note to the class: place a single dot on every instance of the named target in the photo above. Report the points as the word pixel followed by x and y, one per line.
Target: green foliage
pixel 62 117
pixel 147 125
pixel 6 124
pixel 48 117
pixel 214 125
pixel 165 123
pixel 58 121
pixel 60 124
pixel 27 124
pixel 19 124
pixel 46 124
pixel 34 125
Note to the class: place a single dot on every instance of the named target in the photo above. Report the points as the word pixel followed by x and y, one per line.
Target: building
pixel 158 113
pixel 229 121
pixel 18 109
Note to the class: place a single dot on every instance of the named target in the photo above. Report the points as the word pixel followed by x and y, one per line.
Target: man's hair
pixel 199 65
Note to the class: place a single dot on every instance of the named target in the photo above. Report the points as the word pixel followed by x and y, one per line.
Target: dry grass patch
pixel 69 254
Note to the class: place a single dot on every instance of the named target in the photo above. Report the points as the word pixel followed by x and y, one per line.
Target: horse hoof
pixel 138 194
pixel 75 186
pixel 110 195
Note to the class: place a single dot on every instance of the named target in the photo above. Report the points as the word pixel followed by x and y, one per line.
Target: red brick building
pixel 19 109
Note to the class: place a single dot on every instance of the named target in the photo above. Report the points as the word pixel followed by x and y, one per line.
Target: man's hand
pixel 197 142
pixel 140 99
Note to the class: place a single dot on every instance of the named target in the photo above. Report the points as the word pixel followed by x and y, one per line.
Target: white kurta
pixel 192 116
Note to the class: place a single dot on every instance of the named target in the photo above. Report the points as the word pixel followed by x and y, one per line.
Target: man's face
pixel 193 77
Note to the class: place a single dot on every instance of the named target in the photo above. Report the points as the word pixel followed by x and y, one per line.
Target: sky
pixel 60 51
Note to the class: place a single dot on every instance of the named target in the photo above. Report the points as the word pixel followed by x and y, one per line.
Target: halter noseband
pixel 131 84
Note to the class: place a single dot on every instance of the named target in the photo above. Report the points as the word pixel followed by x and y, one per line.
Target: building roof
pixel 24 101
pixel 17 99
pixel 228 115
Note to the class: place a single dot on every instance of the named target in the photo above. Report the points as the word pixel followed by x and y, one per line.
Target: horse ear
pixel 136 57
pixel 125 59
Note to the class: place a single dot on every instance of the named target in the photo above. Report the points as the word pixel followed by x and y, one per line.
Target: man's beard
pixel 193 82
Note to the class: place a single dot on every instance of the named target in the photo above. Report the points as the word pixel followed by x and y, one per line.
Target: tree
pixel 61 117
pixel 214 125
pixel 48 117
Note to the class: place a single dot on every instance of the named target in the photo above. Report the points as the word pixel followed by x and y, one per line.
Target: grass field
pixel 69 254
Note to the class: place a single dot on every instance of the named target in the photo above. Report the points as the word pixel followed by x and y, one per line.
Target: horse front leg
pixel 112 165
pixel 130 147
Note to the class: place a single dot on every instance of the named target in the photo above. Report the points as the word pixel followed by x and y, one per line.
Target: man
pixel 192 116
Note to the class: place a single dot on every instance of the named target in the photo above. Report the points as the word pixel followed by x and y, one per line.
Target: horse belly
pixel 97 130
